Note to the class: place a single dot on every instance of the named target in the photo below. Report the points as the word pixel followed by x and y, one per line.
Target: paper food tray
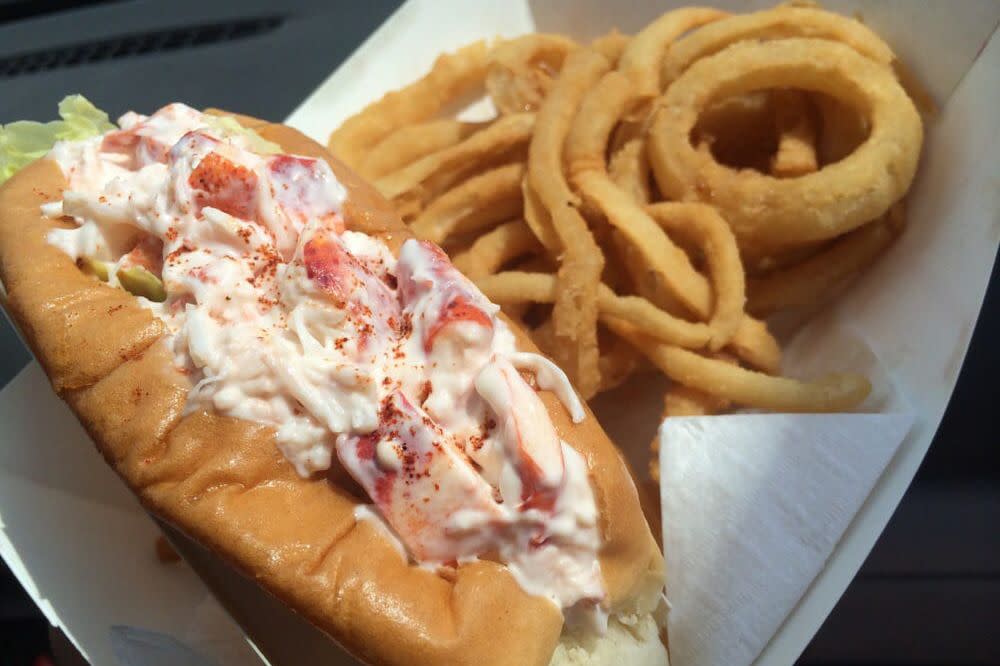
pixel 917 309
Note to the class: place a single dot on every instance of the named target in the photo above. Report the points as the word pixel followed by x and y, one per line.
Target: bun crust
pixel 224 482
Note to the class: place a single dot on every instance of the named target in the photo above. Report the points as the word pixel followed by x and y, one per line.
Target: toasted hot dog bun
pixel 224 482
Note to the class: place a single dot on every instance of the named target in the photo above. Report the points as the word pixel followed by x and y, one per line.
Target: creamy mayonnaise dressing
pixel 399 367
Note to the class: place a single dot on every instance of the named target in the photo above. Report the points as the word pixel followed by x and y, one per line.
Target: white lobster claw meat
pixel 293 182
pixel 302 189
pixel 421 483
pixel 351 286
pixel 441 296
pixel 527 431
pixel 148 140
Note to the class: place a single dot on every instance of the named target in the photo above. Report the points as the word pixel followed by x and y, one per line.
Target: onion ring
pixel 640 61
pixel 629 169
pixel 751 341
pixel 478 203
pixel 408 144
pixel 522 70
pixel 755 346
pixel 608 100
pixel 517 287
pixel 494 249
pixel 833 393
pixel 575 312
pixel 450 164
pixel 766 212
pixel 452 76
pixel 537 217
pixel 706 228
pixel 583 69
pixel 611 45
pixel 818 279
pixel 772 24
pixel 600 110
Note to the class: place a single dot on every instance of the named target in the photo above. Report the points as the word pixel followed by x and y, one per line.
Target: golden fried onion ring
pixel 646 327
pixel 629 169
pixel 704 227
pixel 501 137
pixel 767 212
pixel 833 393
pixel 611 45
pixel 537 217
pixel 772 24
pixel 755 346
pixel 640 61
pixel 408 144
pixel 522 70
pixel 575 313
pixel 478 203
pixel 453 76
pixel 605 104
pixel 519 287
pixel 819 278
pixel 492 250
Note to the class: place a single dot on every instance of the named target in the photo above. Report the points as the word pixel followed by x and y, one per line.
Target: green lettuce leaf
pixel 229 127
pixel 24 141
pixel 82 119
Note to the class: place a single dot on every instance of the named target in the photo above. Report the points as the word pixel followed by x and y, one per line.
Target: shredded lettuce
pixel 24 141
pixel 229 127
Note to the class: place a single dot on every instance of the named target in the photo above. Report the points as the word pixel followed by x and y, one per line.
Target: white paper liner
pixel 81 545
pixel 754 504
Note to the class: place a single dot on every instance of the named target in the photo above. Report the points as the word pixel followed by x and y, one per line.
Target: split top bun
pixel 224 482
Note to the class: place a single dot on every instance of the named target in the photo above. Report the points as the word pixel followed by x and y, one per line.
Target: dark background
pixel 930 590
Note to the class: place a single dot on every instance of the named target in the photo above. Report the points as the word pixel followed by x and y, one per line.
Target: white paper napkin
pixel 83 548
pixel 753 504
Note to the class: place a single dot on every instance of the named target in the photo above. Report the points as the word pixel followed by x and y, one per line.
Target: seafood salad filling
pixel 395 367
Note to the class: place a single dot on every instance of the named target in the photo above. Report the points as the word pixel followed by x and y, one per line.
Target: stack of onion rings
pixel 768 213
pixel 640 201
